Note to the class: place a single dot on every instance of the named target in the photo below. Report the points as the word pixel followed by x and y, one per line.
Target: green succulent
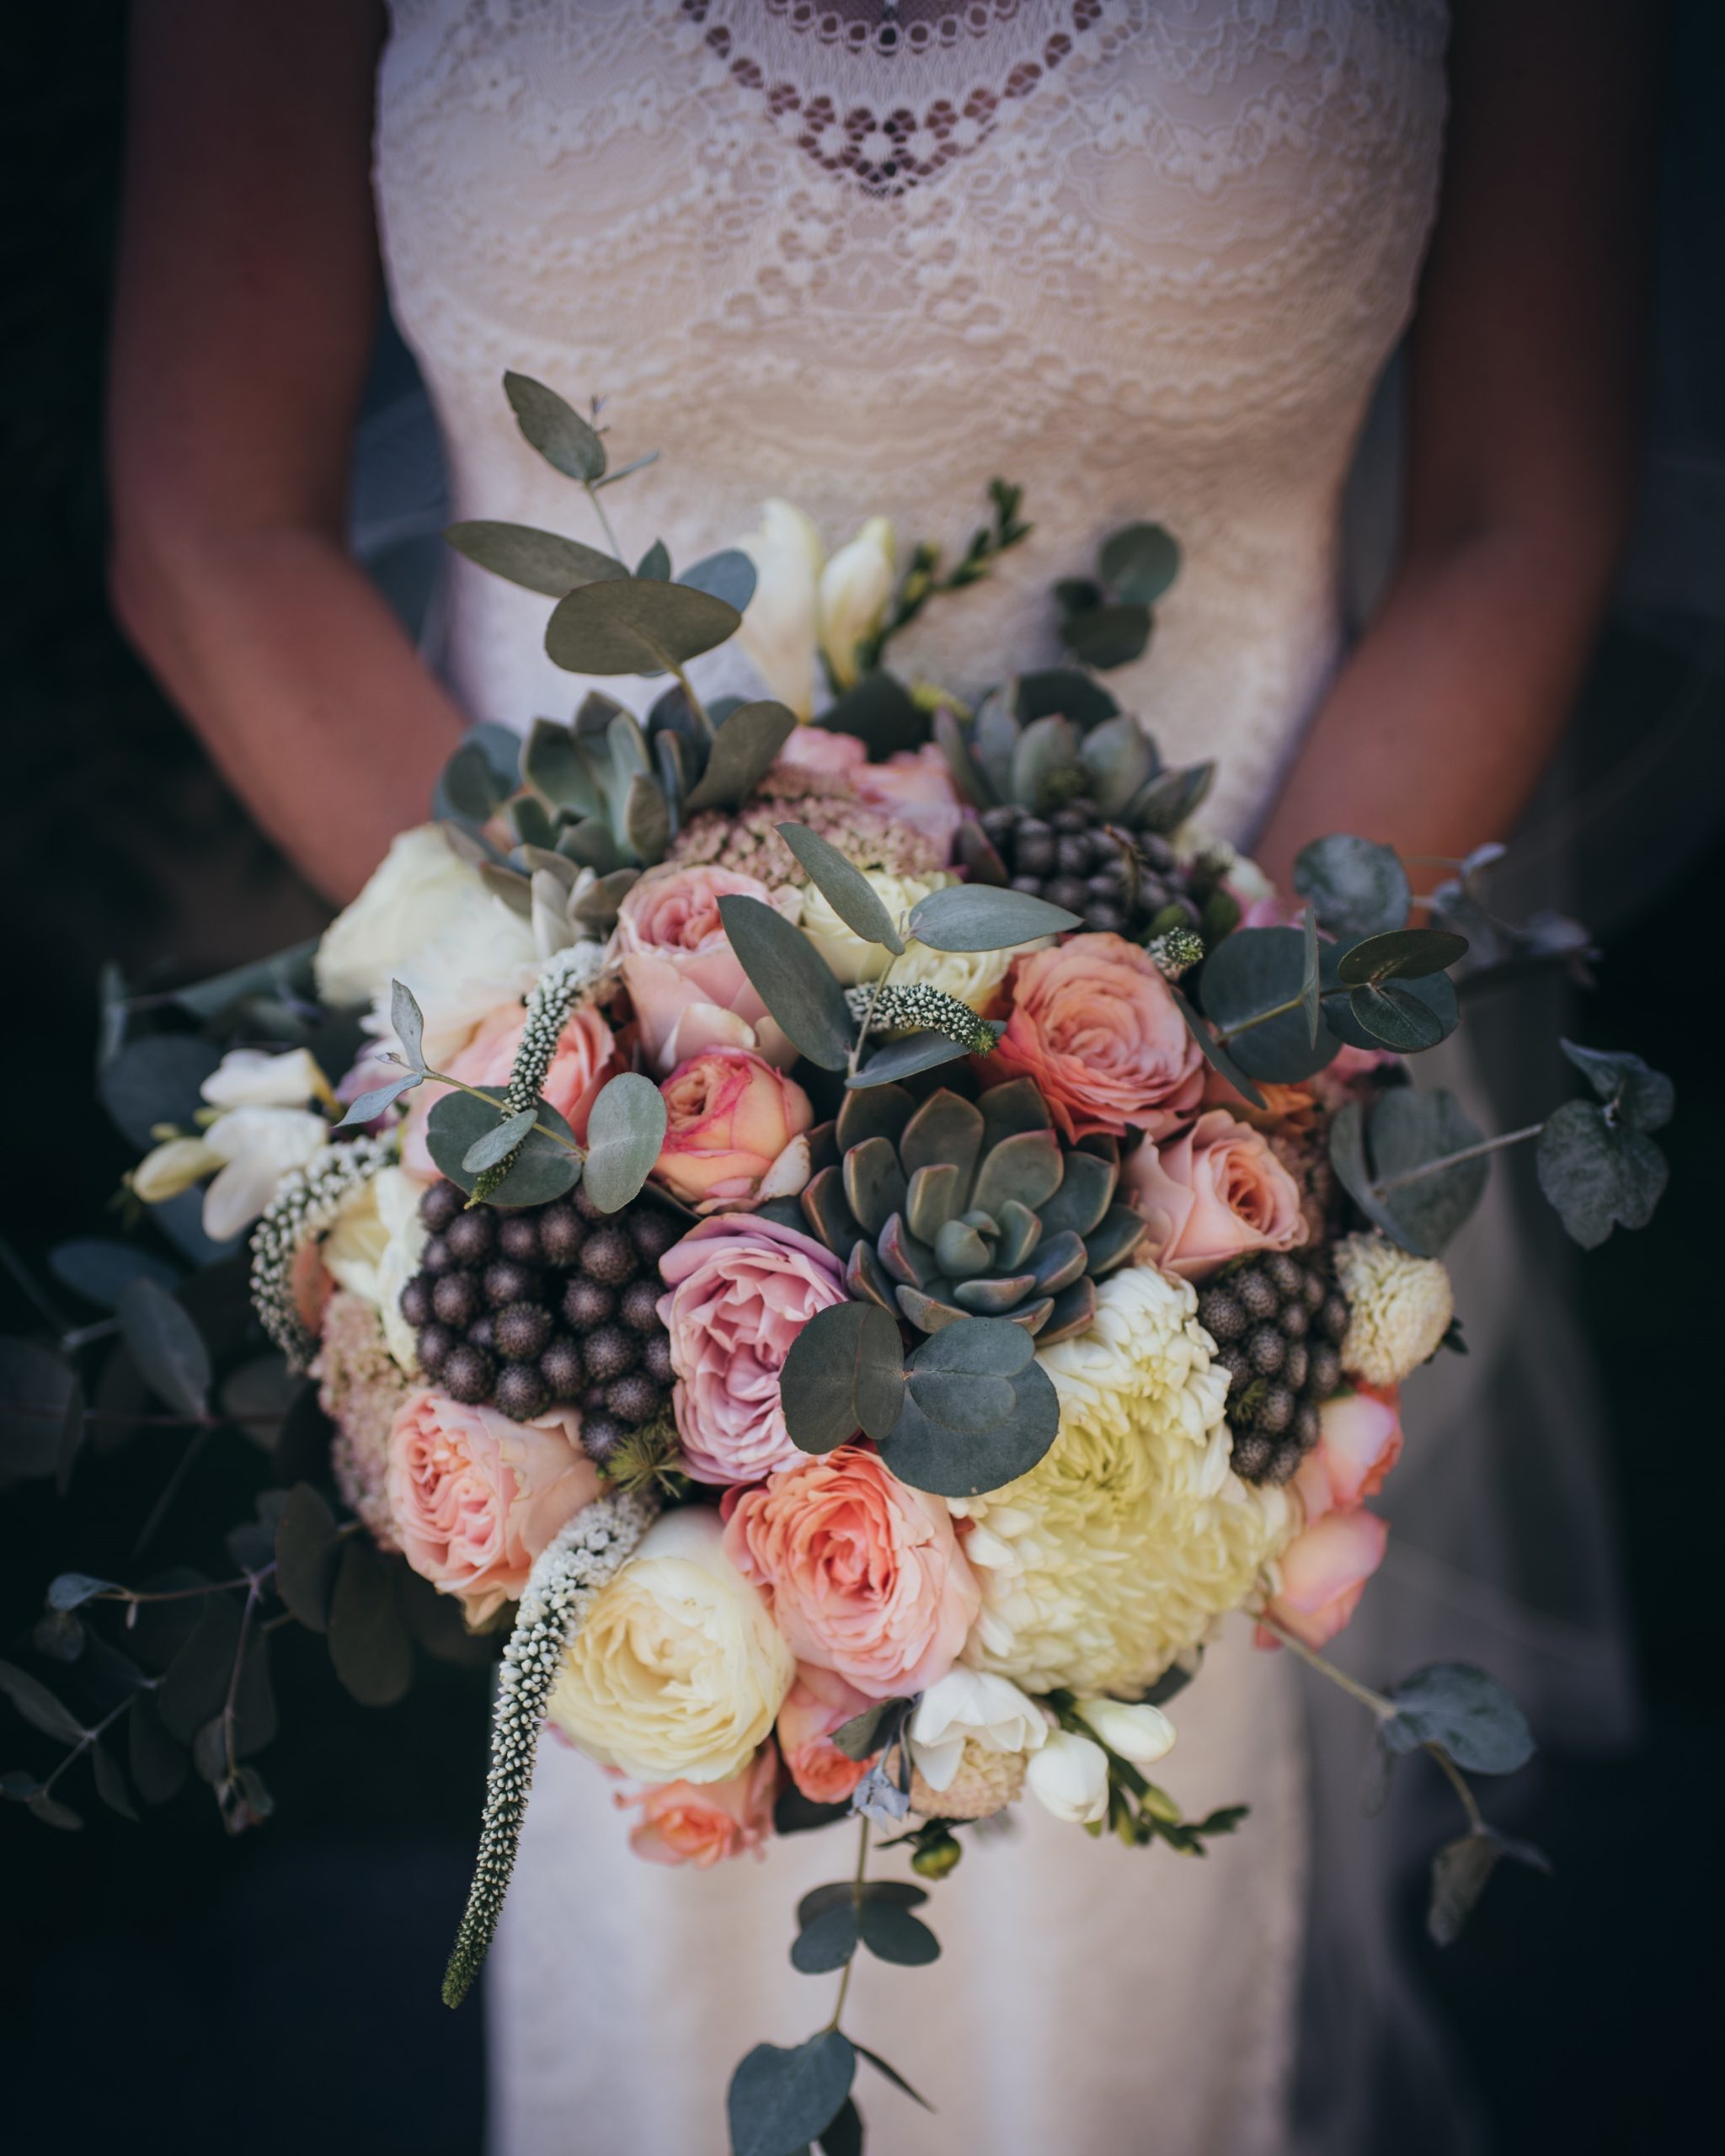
pixel 960 1209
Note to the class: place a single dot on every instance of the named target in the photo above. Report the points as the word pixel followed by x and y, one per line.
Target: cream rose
pixel 417 893
pixel 679 1671
pixel 973 976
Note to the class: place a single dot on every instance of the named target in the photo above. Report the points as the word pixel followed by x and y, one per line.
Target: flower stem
pixel 1455 1159
pixel 874 988
pixel 1263 1018
pixel 857 1892
pixel 1382 1708
pixel 610 539
pixel 1458 1782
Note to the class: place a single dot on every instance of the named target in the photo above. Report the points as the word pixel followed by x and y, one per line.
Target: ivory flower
pixel 1399 1308
pixel 779 628
pixel 967 1708
pixel 417 893
pixel 1138 1732
pixel 1133 1534
pixel 257 1147
pixel 253 1078
pixel 485 956
pixel 679 1671
pixel 1069 1777
pixel 855 588
pixel 973 976
pixel 373 1252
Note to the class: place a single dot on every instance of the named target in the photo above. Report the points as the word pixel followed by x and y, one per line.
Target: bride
pixel 1146 256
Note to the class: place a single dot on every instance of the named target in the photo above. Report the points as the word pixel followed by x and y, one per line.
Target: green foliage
pixel 166 1348
pixel 880 713
pixel 555 428
pixel 307 1548
pixel 1255 986
pixel 844 1373
pixel 790 979
pixel 100 1270
pixel 1461 1872
pixel 1355 887
pixel 1108 623
pixel 925 1050
pixel 539 561
pixel 543 1168
pixel 1599 1174
pixel 635 625
pixel 1464 1712
pixel 1411 1134
pixel 977 917
pixel 780 2099
pixel 743 748
pixel 368 1642
pixel 370 1104
pixel 845 889
pixel 625 1133
pixel 36 1394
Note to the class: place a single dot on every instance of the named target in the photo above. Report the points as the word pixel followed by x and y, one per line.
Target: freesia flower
pixel 1136 1731
pixel 679 1671
pixel 253 1078
pixel 257 1147
pixel 969 1707
pixel 855 588
pixel 1069 1778
pixel 684 1822
pixel 779 629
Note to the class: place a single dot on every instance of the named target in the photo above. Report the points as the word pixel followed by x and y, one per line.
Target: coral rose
pixel 864 1574
pixel 734 1132
pixel 1213 1192
pixel 1324 1571
pixel 475 1497
pixel 586 1059
pixel 741 1290
pixel 1095 1024
pixel 1360 1441
pixel 685 1823
pixel 819 1702
pixel 687 984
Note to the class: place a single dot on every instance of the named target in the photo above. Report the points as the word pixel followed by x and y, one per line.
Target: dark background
pixel 161 1988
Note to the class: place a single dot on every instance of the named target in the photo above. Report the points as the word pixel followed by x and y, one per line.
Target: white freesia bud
pixel 968 1703
pixel 171 1168
pixel 258 1146
pixel 779 624
pixel 855 587
pixel 373 1251
pixel 419 889
pixel 1141 1735
pixel 253 1078
pixel 1070 1775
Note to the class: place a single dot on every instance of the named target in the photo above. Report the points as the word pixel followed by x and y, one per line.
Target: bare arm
pixel 246 304
pixel 1521 438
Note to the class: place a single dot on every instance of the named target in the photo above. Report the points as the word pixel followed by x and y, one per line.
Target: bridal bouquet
pixel 832 1246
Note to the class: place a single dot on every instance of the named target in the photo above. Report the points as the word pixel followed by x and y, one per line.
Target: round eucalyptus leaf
pixel 779 2100
pixel 1395 1017
pixel 655 563
pixel 1408 1130
pixel 1357 888
pixel 307 1548
pixel 635 626
pixel 1403 953
pixel 960 1401
pixel 879 712
pixel 845 889
pixel 1140 563
pixel 892 1934
pixel 790 977
pixel 977 1347
pixel 980 917
pixel 624 1134
pixel 1598 1174
pixel 963 1464
pixel 555 428
pixel 844 1373
pixel 541 1169
pixel 101 1270
pixel 1436 992
pixel 1644 1099
pixel 1462 1870
pixel 744 748
pixel 729 575
pixel 1107 637
pixel 1251 975
pixel 541 561
pixel 827 1940
pixel 1065 690
pixel 1468 1713
pixel 166 1347
pixel 368 1642
pixel 155 1079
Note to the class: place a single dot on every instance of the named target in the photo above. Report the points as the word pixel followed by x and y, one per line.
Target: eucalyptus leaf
pixel 1465 1712
pixel 743 748
pixel 1140 563
pixel 790 977
pixel 408 1021
pixel 1435 994
pixel 779 2100
pixel 958 1401
pixel 1598 1174
pixel 827 1941
pixel 979 917
pixel 1215 1054
pixel 627 471
pixel 892 1934
pixel 1408 1130
pixel 634 626
pixel 1395 1017
pixel 877 1726
pixel 1460 1872
pixel 1404 953
pixel 977 1347
pixel 368 1642
pixel 71 1590
pixel 1644 1099
pixel 555 428
pixel 920 1051
pixel 373 1103
pixel 53 1813
pixel 38 1704
pixel 467 786
pixel 166 1347
pixel 893 2075
pixel 1357 887
pixel 541 561
pixel 541 1169
pixel 655 563
pixel 950 1463
pixel 729 575
pixel 1311 1005
pixel 155 1080
pixel 306 1548
pixel 1256 987
pixel 159 1765
pixel 100 1270
pixel 842 2134
pixel 844 1372
pixel 1107 637
pixel 1348 1157
pixel 847 890
pixel 195 1686
pixel 625 1135
pixel 1065 689
pixel 881 712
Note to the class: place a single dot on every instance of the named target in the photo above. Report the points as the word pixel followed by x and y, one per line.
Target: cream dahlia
pixel 1133 1534
pixel 1399 1308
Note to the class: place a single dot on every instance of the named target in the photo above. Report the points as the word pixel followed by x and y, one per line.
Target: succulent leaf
pixel 946 1129
pixel 875 1187
pixel 1087 1191
pixel 1113 1242
pixel 962 1251
pixel 1027 1166
pixel 933 1198
pixel 904 1257
pixel 1021 1229
pixel 1015 1105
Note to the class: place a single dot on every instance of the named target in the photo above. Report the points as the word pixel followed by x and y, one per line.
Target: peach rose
pixel 864 1574
pixel 1213 1192
pixel 1093 1022
pixel 1324 1571
pixel 684 1822
pixel 587 1058
pixel 1359 1440
pixel 817 1704
pixel 741 1290
pixel 734 1131
pixel 475 1497
pixel 685 983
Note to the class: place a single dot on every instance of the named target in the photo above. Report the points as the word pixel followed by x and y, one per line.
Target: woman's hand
pixel 1521 440
pixel 245 310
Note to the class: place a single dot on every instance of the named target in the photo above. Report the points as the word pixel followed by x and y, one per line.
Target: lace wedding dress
pixel 1146 256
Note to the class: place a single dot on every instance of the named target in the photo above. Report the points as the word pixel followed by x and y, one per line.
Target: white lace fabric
pixel 1148 258
pixel 1145 256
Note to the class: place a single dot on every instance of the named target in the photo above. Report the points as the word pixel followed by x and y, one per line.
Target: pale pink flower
pixel 1324 1571
pixel 687 984
pixel 702 1823
pixel 1209 1193
pixel 819 1702
pixel 732 1121
pixel 1360 1441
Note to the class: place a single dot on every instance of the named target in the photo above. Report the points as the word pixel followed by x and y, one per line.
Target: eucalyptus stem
pixel 557 1138
pixel 874 988
pixel 1262 1018
pixel 857 1892
pixel 1384 1709
pixel 89 1736
pixel 1455 1159
pixel 231 1702
pixel 605 521
pixel 1458 1781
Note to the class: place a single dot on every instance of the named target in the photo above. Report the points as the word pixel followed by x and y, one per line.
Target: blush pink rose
pixel 1213 1192
pixel 475 1497
pixel 741 1290
pixel 586 1059
pixel 864 1574
pixel 687 984
pixel 684 1822
pixel 734 1131
pixel 1324 1571
pixel 1093 1022
pixel 817 1704
pixel 1360 1441
pixel 816 748
pixel 915 787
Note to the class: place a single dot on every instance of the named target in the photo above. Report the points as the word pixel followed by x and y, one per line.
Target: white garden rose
pixel 973 976
pixel 1069 1777
pixel 679 1671
pixel 419 889
pixel 485 955
pixel 373 1251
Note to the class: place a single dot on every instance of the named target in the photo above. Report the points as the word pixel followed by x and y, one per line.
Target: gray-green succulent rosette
pixel 853 1186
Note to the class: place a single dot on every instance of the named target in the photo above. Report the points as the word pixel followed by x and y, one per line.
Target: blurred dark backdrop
pixel 164 1988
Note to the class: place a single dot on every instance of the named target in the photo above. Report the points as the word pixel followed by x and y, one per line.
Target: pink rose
pixel 1093 1022
pixel 687 985
pixel 682 1822
pixel 1359 1440
pixel 741 1290
pixel 1324 1571
pixel 585 1060
pixel 1213 1192
pixel 816 748
pixel 732 1122
pixel 863 1573
pixel 915 787
pixel 817 1704
pixel 475 1497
